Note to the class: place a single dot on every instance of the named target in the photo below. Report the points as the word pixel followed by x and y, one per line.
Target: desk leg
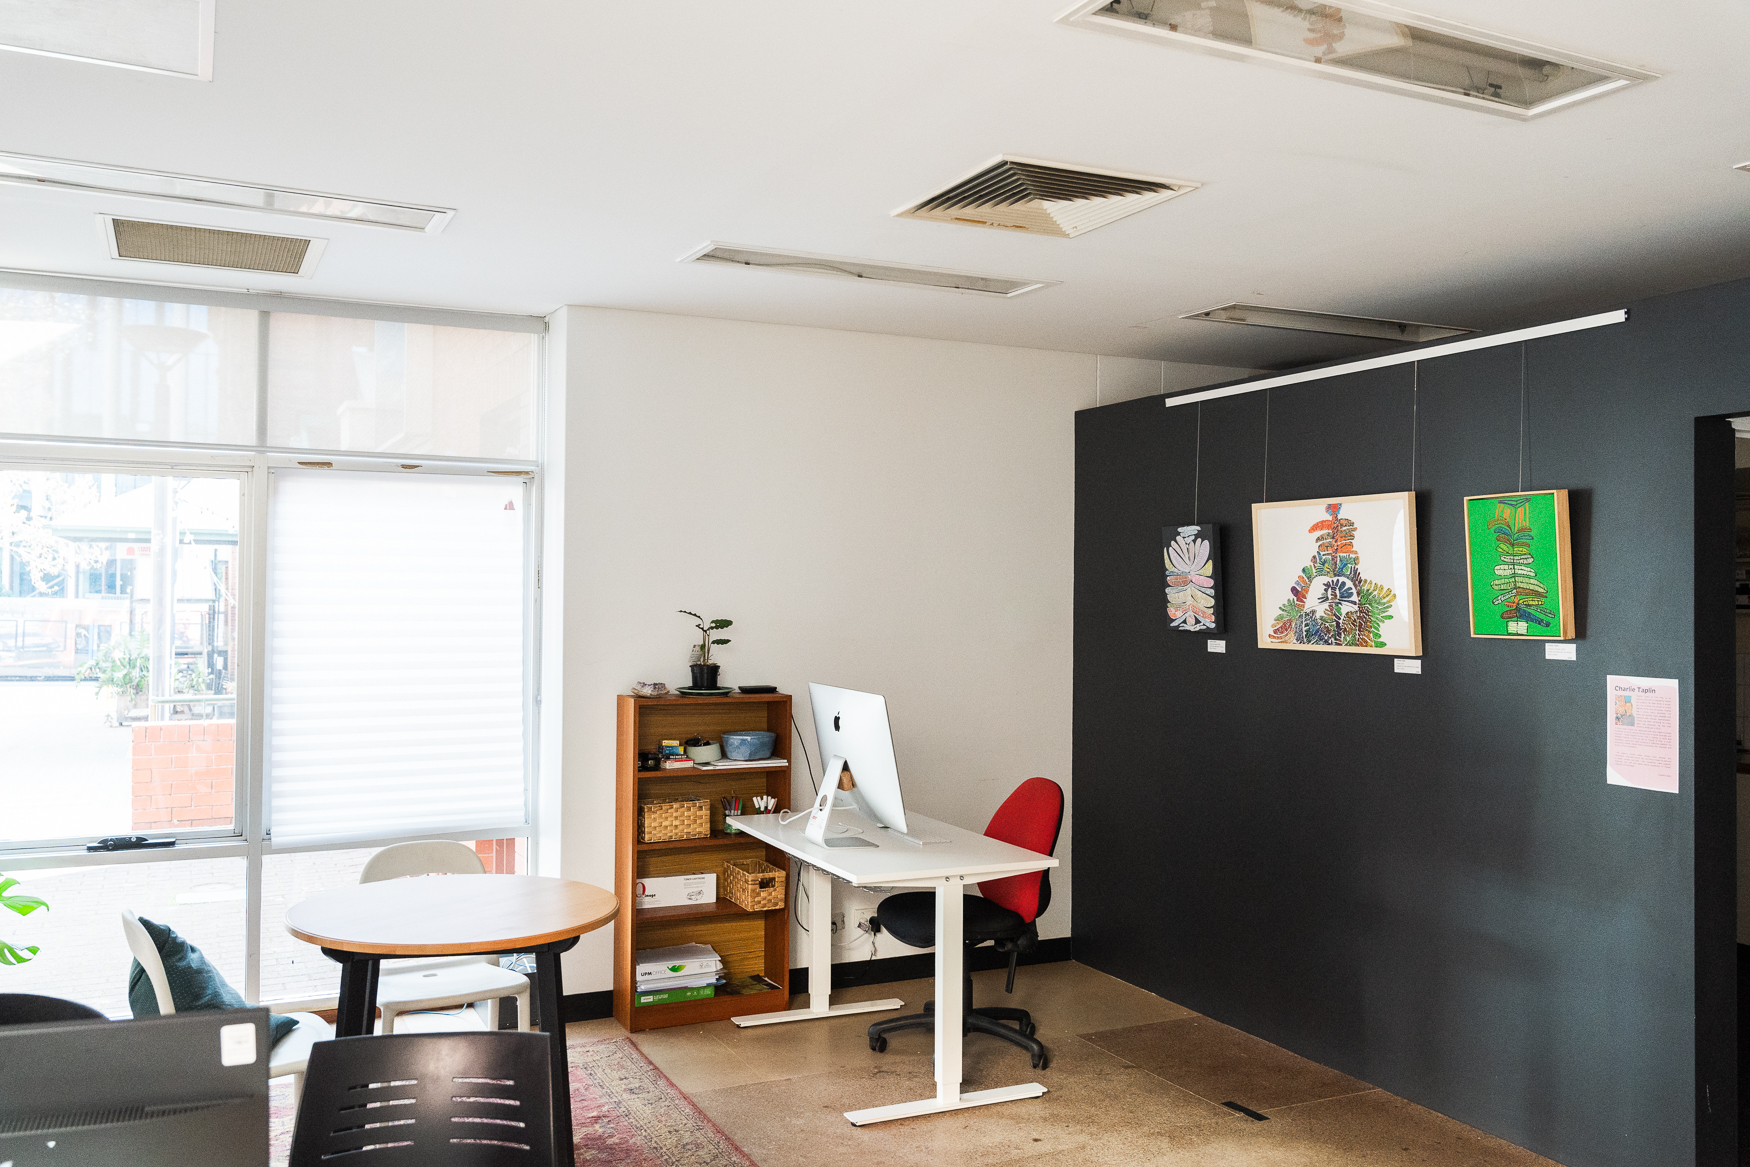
pixel 549 1004
pixel 819 887
pixel 950 1031
pixel 357 994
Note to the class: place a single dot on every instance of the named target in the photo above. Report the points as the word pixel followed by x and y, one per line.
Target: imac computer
pixel 861 775
pixel 187 1090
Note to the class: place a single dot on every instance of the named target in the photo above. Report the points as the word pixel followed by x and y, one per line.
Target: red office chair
pixel 1003 912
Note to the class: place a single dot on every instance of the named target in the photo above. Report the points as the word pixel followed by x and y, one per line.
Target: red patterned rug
pixel 624 1111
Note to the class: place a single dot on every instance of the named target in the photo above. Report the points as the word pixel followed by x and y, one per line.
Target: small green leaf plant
pixel 24 905
pixel 706 628
pixel 124 668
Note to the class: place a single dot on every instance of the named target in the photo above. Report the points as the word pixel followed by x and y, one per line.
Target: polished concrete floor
pixel 1134 1080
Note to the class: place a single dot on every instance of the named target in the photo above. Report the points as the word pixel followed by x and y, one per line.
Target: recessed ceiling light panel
pixel 157 36
pixel 1043 198
pixel 840 267
pixel 1376 45
pixel 26 170
pixel 185 243
pixel 1403 331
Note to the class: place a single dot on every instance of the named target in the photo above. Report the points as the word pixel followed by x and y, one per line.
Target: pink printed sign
pixel 1641 728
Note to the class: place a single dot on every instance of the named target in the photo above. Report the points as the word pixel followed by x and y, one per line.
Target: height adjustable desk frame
pixel 946 868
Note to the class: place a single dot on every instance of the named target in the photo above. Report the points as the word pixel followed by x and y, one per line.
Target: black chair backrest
pixel 28 1009
pixel 427 1099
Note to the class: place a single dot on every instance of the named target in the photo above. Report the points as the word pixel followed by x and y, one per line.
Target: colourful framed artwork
pixel 1521 567
pixel 1338 574
pixel 1193 558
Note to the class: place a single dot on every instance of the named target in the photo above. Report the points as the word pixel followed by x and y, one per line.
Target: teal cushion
pixel 195 985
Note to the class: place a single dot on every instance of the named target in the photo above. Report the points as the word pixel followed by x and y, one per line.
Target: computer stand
pixel 818 885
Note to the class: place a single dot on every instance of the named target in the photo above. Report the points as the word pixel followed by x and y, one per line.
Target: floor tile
pixel 1222 1064
pixel 1093 1098
pixel 695 1060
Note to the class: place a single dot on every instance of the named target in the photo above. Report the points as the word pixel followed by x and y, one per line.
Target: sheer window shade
pixel 395 656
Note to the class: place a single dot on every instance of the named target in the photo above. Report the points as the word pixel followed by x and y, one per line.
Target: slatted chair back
pixel 427 1100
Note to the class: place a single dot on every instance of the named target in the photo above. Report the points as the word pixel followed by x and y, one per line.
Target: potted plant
pixel 704 672
pixel 24 906
pixel 122 671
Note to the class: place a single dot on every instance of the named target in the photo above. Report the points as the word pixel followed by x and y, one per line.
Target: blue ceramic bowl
pixel 748 745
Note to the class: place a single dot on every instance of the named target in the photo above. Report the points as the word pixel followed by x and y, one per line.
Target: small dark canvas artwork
pixel 1192 555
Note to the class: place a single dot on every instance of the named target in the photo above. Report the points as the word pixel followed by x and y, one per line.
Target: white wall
pixel 879 512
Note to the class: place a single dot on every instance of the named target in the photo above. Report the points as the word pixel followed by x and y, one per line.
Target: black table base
pixel 358 1014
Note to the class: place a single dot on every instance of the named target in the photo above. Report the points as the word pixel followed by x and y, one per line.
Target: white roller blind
pixel 395 656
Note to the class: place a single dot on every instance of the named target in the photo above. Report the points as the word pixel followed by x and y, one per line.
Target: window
pixel 387 604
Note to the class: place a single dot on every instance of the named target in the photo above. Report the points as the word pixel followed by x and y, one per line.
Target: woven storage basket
pixel 661 819
pixel 753 884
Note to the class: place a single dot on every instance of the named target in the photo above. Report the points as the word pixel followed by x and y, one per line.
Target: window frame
pixel 252 466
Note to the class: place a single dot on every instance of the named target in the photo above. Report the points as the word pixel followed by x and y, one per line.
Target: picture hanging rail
pixel 1338 574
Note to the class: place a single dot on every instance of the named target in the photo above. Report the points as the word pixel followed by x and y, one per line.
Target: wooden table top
pixel 451 915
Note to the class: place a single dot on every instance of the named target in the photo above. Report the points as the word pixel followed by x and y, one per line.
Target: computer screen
pixel 853 726
pixel 187 1090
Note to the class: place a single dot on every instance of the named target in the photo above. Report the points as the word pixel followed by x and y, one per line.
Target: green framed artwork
pixel 1521 569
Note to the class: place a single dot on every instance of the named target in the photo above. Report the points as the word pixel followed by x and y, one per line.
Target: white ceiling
pixel 587 145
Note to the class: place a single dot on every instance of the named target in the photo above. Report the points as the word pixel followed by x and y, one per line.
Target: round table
pixel 457 915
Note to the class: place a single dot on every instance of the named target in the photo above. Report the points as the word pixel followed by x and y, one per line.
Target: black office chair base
pixel 989 1021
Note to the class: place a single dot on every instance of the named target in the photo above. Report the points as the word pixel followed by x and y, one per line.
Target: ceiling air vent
pixel 1043 198
pixel 839 267
pixel 1333 323
pixel 154 242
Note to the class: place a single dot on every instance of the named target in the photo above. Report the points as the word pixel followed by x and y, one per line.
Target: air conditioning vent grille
pixel 209 247
pixel 1019 194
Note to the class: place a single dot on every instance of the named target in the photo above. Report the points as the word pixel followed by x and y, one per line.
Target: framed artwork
pixel 1521 566
pixel 1193 556
pixel 1338 574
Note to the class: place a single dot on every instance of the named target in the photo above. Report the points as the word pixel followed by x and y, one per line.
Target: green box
pixel 669 996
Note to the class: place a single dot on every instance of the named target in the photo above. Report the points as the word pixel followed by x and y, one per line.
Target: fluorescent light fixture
pixel 1404 331
pixel 173 37
pixel 27 170
pixel 841 267
pixel 1373 44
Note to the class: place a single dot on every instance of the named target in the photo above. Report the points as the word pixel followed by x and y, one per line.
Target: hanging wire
pixel 1197 464
pixel 1522 415
pixel 1266 497
pixel 1415 416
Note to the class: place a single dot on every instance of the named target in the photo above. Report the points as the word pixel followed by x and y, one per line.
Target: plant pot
pixel 705 676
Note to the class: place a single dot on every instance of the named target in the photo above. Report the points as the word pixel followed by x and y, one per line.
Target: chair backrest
pixel 28 1009
pixel 1030 817
pixel 426 857
pixel 146 952
pixel 433 1099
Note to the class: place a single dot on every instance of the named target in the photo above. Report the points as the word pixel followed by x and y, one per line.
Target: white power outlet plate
pixel 850 927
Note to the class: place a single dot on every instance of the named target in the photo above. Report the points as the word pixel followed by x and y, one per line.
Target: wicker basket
pixel 661 819
pixel 753 884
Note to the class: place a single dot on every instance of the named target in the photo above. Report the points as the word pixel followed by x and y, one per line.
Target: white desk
pixel 946 867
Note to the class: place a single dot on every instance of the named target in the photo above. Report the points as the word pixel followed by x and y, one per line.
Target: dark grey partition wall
pixel 1425 881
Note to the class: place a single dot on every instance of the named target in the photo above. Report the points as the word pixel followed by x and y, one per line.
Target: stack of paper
pixel 685 972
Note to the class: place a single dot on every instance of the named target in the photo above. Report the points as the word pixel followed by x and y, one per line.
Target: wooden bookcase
pixel 750 943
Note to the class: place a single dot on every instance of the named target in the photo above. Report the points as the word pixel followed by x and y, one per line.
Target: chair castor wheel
pixel 1028 1029
pixel 878 1044
pixel 1039 1061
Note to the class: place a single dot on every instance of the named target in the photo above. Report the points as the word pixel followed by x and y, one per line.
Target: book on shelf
pixel 682 763
pixel 731 764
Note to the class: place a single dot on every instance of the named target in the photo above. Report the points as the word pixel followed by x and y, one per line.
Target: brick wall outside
pixel 184 772
pixel 501 856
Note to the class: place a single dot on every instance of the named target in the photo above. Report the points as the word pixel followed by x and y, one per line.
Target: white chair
pixel 287 1059
pixel 406 985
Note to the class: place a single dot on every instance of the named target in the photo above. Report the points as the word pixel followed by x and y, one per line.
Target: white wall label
pixel 1406 664
pixel 237 1044
pixel 1217 646
pixel 1560 652
pixel 1640 727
